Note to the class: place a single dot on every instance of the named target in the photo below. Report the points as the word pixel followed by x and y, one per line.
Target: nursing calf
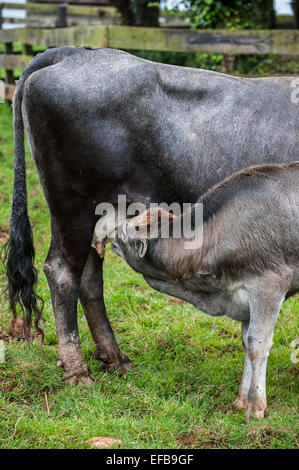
pixel 247 265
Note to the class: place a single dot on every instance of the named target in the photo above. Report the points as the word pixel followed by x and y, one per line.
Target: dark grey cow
pixel 102 123
pixel 246 267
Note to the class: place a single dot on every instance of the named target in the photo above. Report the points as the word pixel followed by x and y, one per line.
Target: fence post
pixel 27 49
pixel 62 16
pixel 8 49
pixel 295 7
pixel 1 19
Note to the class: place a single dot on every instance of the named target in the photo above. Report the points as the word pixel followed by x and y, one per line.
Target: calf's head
pixel 138 239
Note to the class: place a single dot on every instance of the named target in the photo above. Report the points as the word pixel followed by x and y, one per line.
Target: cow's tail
pixel 19 250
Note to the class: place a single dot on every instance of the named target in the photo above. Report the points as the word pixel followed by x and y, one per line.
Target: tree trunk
pixel 295 7
pixel 138 12
pixel 124 8
pixel 265 14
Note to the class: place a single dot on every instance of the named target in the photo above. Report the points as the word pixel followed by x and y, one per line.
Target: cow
pixel 245 273
pixel 102 123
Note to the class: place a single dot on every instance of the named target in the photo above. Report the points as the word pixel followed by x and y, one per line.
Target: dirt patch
pixel 176 301
pixel 171 343
pixel 16 330
pixel 103 442
pixel 165 345
pixel 202 438
pixel 4 235
pixel 227 409
pixel 260 437
pixel 35 191
pixel 229 349
pixel 141 289
pixel 8 386
pixel 4 337
pixel 226 333
pixel 294 371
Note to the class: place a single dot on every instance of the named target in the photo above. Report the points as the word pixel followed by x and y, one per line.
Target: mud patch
pixel 202 438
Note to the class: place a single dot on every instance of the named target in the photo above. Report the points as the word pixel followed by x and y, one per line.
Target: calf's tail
pixel 19 250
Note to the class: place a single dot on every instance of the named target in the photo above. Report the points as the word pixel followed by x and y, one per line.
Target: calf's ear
pixel 142 247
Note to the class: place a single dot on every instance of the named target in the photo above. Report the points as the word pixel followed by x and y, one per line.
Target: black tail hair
pixel 19 250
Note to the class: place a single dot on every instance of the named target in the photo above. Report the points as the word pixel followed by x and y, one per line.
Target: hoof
pixel 85 380
pixel 80 376
pixel 255 410
pixel 117 363
pixel 240 403
pixel 59 362
pixel 119 367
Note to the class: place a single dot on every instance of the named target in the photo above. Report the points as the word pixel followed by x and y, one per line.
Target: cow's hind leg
pixel 64 282
pixel 92 300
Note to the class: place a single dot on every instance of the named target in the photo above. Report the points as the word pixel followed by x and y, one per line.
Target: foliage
pixel 187 365
pixel 247 65
pixel 231 14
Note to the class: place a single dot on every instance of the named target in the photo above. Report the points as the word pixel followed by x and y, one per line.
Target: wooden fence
pixel 49 15
pixel 284 42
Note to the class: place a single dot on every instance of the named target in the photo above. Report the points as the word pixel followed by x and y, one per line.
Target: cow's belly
pixel 233 305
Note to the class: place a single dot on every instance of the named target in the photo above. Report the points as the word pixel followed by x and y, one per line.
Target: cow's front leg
pixel 64 287
pixel 264 308
pixel 92 300
pixel 241 400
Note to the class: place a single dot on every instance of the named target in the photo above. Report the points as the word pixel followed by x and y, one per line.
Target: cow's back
pixel 154 131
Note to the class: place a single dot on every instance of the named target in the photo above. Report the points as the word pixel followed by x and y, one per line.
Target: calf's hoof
pixel 255 409
pixel 240 403
pixel 59 362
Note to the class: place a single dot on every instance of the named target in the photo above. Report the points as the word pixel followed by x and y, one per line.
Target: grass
pixel 187 365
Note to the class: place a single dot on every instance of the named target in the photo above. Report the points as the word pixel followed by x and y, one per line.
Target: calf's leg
pixel 92 301
pixel 241 400
pixel 265 305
